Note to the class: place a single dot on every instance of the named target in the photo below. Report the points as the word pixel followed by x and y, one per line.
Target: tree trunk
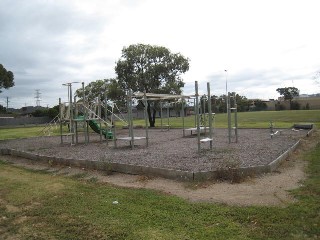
pixel 151 116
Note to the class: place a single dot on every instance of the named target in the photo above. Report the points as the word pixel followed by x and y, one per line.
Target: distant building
pixel 25 110
pixel 305 101
pixel 270 103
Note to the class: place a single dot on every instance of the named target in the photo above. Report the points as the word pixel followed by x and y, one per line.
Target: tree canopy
pixel 151 69
pixel 288 93
pixel 106 88
pixel 6 78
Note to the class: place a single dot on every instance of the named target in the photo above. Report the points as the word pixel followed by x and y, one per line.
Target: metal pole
pixel 161 116
pixel 71 116
pixel 105 107
pixel 226 71
pixel 229 117
pixel 209 114
pixel 204 115
pixel 146 117
pixel 236 118
pixel 182 112
pixel 130 118
pixel 195 112
pixel 197 116
pixel 60 110
pixel 168 115
pixel 84 115
pixel 99 114
pixel 75 122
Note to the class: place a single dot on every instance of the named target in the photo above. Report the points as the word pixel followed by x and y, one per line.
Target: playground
pixel 167 150
pixel 201 152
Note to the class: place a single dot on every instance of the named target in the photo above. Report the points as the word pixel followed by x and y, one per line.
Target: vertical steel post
pixel 61 114
pixel 130 118
pixel 161 123
pixel 168 115
pixel 204 115
pixel 229 117
pixel 198 120
pixel 209 114
pixel 75 122
pixel 99 115
pixel 85 116
pixel 195 112
pixel 146 117
pixel 236 118
pixel 182 112
pixel 71 115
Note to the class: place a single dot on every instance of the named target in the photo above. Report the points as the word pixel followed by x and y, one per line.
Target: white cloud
pixel 263 44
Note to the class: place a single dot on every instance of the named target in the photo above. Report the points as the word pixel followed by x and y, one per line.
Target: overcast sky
pixel 263 44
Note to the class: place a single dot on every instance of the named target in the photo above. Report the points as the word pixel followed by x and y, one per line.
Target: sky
pixel 263 45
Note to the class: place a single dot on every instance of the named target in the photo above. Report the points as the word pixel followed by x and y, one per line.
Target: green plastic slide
pixel 95 127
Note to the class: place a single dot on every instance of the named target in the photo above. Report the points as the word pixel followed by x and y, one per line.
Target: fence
pixel 6 121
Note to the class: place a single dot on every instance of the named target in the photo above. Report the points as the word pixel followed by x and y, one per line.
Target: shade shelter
pixel 163 97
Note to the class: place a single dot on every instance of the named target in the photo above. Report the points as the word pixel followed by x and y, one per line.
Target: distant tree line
pixel 47 112
pixel 219 105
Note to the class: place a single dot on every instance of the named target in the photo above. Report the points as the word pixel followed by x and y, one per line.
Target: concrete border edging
pixel 275 163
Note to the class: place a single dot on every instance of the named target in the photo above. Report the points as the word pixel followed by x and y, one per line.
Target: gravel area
pixel 169 149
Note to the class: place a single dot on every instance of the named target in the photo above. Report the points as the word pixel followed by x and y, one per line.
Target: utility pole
pixel 37 97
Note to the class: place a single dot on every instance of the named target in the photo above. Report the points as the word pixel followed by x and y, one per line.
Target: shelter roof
pixel 158 96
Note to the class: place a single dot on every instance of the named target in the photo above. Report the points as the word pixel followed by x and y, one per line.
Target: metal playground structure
pixel 81 115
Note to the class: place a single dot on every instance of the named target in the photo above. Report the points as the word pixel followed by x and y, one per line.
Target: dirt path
pixel 268 189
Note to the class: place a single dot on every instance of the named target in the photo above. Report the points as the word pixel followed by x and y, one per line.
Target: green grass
pixel 281 119
pixel 25 132
pixel 40 205
pixel 12 133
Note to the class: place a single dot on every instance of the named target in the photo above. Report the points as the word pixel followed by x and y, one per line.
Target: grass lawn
pixel 281 119
pixel 41 205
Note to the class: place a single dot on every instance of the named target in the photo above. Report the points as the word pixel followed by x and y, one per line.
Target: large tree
pixel 106 88
pixel 103 89
pixel 6 78
pixel 153 69
pixel 288 93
